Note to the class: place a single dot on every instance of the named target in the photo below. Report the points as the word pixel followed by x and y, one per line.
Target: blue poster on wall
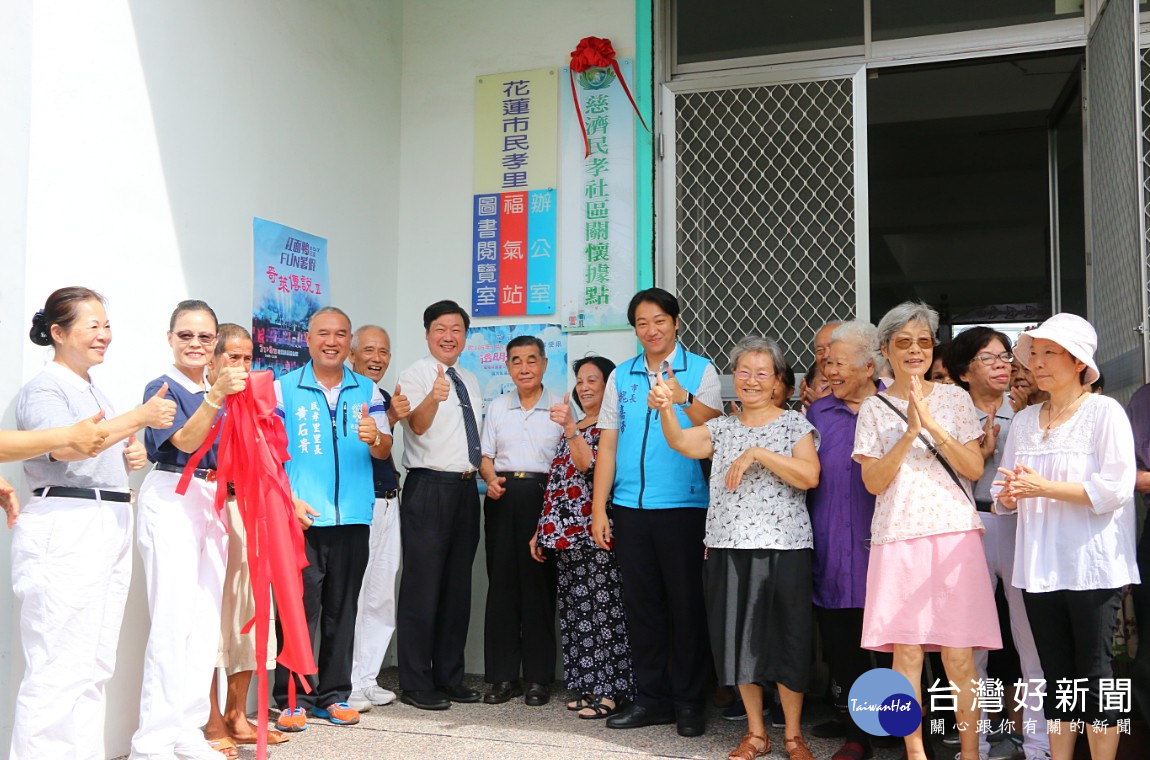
pixel 291 283
pixel 486 356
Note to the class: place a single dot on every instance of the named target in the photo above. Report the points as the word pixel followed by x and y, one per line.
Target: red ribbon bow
pixel 596 53
pixel 251 453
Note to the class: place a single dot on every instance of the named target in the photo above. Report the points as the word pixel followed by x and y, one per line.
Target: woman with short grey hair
pixel 927 587
pixel 757 571
pixel 841 513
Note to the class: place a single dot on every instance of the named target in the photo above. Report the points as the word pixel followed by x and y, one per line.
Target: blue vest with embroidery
pixel 330 468
pixel 649 474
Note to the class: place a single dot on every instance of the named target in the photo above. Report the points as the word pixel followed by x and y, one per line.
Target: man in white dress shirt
pixel 439 527
pixel 519 442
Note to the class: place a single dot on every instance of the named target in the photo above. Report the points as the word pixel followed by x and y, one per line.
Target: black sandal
pixel 582 702
pixel 599 709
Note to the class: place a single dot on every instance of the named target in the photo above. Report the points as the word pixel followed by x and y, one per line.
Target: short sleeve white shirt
pixel 443 446
pixel 518 439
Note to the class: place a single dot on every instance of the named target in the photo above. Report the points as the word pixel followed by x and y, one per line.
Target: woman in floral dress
pixel 596 650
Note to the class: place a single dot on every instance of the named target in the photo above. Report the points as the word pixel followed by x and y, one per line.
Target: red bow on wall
pixel 252 450
pixel 596 53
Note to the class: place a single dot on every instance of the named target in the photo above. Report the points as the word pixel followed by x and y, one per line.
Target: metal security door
pixel 1114 207
pixel 768 225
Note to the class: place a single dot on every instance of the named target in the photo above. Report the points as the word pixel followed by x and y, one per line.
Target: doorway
pixel 976 188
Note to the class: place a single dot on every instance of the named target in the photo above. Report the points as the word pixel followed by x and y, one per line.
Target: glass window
pixel 710 31
pixel 895 19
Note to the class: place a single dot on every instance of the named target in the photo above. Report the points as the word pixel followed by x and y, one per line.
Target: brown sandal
pixel 797 748
pixel 747 750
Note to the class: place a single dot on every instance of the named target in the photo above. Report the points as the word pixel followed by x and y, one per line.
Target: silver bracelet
pixel 208 401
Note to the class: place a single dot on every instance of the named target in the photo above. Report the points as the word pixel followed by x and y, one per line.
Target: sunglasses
pixel 186 336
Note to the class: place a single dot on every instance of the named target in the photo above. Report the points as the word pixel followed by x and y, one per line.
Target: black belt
pixel 201 473
pixel 444 475
pixel 536 476
pixel 393 493
pixel 68 492
pixel 984 506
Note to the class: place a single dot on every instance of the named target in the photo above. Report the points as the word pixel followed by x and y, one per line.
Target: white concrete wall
pixel 446 44
pixel 140 139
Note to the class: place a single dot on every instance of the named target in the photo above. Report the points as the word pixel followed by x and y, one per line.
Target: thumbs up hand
pixel 229 380
pixel 400 407
pixel 441 388
pixel 158 411
pixel 368 431
pixel 661 396
pixel 134 452
pixel 87 436
pixel 561 415
pixel 678 393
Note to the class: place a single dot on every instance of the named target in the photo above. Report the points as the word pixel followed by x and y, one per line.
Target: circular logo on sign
pixel 596 78
pixel 882 703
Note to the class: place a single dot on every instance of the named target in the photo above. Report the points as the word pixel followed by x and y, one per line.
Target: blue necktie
pixel 473 451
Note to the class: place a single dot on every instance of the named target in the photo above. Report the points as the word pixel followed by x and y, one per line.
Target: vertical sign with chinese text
pixel 291 283
pixel 598 200
pixel 513 231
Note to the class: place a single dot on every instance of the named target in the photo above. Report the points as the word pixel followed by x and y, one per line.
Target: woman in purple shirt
pixel 841 512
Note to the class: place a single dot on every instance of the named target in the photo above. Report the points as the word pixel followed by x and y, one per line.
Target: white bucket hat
pixel 1070 331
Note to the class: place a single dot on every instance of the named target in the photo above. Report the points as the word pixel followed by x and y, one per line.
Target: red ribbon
pixel 251 453
pixel 596 53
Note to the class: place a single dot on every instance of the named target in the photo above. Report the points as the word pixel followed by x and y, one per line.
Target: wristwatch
pixel 690 399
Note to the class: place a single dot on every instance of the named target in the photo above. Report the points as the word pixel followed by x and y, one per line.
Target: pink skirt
pixel 932 591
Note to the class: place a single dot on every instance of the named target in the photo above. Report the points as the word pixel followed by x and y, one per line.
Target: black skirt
pixel 759 615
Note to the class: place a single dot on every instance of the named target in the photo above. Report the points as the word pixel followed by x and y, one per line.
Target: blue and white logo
pixel 882 703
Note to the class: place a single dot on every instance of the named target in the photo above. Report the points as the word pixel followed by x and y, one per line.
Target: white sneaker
pixel 378 696
pixel 358 701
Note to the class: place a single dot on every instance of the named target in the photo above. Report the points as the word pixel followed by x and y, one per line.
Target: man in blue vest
pixel 658 504
pixel 336 423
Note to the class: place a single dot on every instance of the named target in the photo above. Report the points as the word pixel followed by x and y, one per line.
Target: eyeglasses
pixel 989 359
pixel 760 377
pixel 186 336
pixel 902 344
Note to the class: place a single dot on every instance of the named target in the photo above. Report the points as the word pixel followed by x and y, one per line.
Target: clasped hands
pixel 1020 483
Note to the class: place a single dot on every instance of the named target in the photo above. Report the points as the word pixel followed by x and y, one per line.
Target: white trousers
pixel 183 545
pixel 998 541
pixel 71 568
pixel 375 616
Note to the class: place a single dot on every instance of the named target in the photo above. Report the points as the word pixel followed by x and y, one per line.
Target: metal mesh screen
pixel 766 226
pixel 1145 79
pixel 1117 268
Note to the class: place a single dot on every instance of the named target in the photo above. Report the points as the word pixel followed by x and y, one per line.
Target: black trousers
pixel 841 632
pixel 337 558
pixel 660 555
pixel 439 529
pixel 1073 631
pixel 519 627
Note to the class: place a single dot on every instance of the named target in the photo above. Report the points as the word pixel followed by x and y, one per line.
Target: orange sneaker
pixel 292 720
pixel 339 713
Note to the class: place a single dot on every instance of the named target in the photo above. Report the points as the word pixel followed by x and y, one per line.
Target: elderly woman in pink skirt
pixel 928 588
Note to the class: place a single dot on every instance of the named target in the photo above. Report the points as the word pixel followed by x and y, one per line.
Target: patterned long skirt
pixel 593 624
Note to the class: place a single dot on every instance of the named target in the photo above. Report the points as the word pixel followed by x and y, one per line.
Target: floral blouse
pixel 922 499
pixel 566 518
pixel 765 512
